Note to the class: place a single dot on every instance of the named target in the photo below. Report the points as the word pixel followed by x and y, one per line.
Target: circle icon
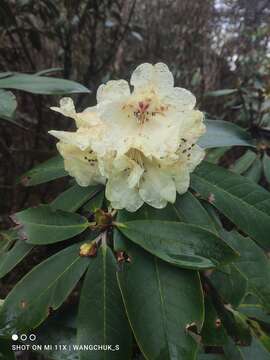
pixel 32 337
pixel 23 337
pixel 15 337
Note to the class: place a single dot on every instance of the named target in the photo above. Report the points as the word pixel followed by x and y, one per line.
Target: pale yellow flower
pixel 77 148
pixel 153 117
pixel 134 179
pixel 81 164
pixel 82 119
pixel 140 143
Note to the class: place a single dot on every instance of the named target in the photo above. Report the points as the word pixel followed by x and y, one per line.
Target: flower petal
pixel 163 76
pixel 197 155
pixel 182 179
pixel 191 125
pixel 86 118
pixel 85 173
pixel 80 140
pixel 180 98
pixel 142 76
pixel 121 196
pixel 66 108
pixel 157 77
pixel 129 168
pixel 113 90
pixel 135 175
pixel 119 129
pixel 159 137
pixel 157 187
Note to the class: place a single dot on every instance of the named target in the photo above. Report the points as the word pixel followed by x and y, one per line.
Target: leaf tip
pixel 14 219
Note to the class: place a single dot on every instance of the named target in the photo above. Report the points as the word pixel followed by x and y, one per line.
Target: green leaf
pixel 221 133
pixel 7 239
pixel 213 155
pixel 59 329
pixel 8 104
pixel 222 92
pixel 241 200
pixel 213 357
pixel 41 84
pixel 169 213
pixel 255 311
pixel 255 171
pixel 74 197
pixel 5 350
pixel 102 318
pixel 254 351
pixel 230 284
pixel 253 265
pixel 244 162
pixel 190 210
pixel 145 212
pixel 42 225
pixel 180 244
pixel 49 170
pixel 215 217
pixel 11 258
pixel 95 202
pixel 5 74
pixel 213 333
pixel 42 290
pixel 233 321
pixel 258 331
pixel 161 302
pixel 49 71
pixel 266 166
pixel 150 213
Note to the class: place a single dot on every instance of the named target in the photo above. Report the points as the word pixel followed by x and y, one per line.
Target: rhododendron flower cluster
pixel 140 142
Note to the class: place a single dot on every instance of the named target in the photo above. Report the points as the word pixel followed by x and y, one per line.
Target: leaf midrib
pixel 56 226
pixel 218 240
pixel 162 305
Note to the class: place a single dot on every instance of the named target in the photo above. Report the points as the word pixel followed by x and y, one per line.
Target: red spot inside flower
pixel 143 106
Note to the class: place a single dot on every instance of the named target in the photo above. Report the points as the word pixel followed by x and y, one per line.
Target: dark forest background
pixel 208 44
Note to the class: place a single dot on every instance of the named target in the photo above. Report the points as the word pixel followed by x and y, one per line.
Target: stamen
pixel 136 156
pixel 145 110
